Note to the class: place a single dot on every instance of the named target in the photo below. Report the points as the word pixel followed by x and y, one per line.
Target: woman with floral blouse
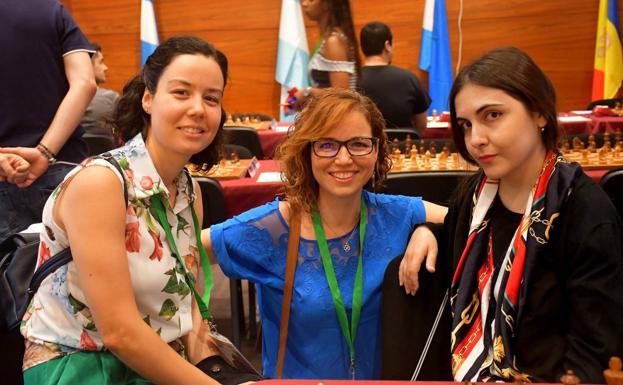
pixel 122 310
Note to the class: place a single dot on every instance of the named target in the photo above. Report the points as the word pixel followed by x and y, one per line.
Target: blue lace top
pixel 253 246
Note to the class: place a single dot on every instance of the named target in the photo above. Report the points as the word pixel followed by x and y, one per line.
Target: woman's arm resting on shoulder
pixel 422 246
pixel 434 212
pixel 93 213
pixel 336 49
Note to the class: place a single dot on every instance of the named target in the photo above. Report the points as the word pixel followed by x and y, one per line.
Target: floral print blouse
pixel 58 320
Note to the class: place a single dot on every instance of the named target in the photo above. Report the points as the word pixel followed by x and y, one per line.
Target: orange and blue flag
pixel 608 68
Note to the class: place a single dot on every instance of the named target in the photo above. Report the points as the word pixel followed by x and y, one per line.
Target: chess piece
pixel 614 375
pixel 408 143
pixel 433 150
pixel 413 153
pixel 584 157
pixel 592 145
pixel 235 158
pixel 395 144
pixel 443 158
pixel 577 144
pixel 422 149
pixel 569 378
pixel 205 167
pixel 427 164
pixel 446 150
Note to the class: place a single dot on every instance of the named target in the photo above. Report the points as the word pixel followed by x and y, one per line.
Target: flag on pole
pixel 292 52
pixel 435 54
pixel 608 68
pixel 149 30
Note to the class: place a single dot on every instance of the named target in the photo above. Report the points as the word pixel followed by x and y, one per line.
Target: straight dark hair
pixel 340 16
pixel 511 70
pixel 373 37
pixel 129 117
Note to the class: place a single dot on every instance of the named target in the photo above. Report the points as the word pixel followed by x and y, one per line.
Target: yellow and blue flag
pixel 608 68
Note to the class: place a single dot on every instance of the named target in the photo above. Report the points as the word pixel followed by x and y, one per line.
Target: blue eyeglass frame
pixel 375 142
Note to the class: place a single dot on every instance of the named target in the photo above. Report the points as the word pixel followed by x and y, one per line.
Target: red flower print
pixel 44 253
pixel 129 173
pixel 147 183
pixel 132 237
pixel 86 342
pixel 157 253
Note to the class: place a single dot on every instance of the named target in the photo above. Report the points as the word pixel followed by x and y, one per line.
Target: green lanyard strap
pixel 157 209
pixel 351 333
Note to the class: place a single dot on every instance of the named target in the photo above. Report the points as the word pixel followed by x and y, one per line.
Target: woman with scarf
pixel 533 245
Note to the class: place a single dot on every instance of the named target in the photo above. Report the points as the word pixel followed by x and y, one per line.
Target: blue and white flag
pixel 435 54
pixel 149 30
pixel 292 52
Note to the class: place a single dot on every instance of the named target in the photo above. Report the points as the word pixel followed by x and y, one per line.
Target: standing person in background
pixel 97 117
pixel 47 82
pixel 335 60
pixel 397 92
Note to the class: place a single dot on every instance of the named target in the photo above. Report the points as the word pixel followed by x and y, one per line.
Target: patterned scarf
pixel 486 304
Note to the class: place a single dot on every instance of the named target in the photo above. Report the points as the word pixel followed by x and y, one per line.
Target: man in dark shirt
pixel 96 120
pixel 47 82
pixel 397 92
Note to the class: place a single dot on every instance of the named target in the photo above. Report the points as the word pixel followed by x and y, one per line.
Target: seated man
pixel 397 92
pixel 99 113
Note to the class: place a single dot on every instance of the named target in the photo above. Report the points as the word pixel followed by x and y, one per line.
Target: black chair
pixel 246 137
pixel 98 144
pixel 401 134
pixel 604 102
pixel 612 183
pixel 243 152
pixel 215 211
pixel 434 186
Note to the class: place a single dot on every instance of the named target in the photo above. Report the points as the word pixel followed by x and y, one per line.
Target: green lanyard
pixel 157 210
pixel 349 334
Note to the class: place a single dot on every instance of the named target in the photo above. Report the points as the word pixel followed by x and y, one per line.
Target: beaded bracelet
pixel 47 153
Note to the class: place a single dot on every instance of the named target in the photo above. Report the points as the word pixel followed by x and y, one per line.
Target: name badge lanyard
pixel 349 333
pixel 157 210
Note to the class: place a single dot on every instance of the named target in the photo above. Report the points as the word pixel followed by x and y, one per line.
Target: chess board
pixel 246 122
pixel 225 169
pixel 425 160
pixel 590 157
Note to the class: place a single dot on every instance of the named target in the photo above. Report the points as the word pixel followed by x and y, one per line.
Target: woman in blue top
pixel 337 149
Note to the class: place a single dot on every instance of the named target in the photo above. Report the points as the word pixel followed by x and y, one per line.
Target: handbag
pixel 293 248
pixel 18 260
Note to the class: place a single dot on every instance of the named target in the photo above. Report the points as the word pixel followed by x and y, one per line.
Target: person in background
pixel 98 115
pixel 123 310
pixel 47 82
pixel 533 244
pixel 332 161
pixel 335 60
pixel 397 92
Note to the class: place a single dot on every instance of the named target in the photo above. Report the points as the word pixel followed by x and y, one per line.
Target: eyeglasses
pixel 358 146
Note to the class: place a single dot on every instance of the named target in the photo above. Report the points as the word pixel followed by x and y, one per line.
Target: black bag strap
pixel 64 256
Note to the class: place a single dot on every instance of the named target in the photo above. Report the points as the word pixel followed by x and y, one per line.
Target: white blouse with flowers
pixel 58 320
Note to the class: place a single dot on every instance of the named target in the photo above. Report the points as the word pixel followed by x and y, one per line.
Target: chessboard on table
pixel 226 169
pixel 246 121
pixel 590 157
pixel 426 160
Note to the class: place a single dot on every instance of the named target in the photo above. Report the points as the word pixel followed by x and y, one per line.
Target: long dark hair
pixel 129 117
pixel 340 16
pixel 511 70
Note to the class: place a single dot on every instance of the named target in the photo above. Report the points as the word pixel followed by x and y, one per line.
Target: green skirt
pixel 85 368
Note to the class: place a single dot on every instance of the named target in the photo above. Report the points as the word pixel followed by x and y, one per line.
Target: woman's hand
pixel 422 245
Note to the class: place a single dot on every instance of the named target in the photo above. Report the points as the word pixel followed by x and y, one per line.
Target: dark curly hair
pixel 321 115
pixel 129 117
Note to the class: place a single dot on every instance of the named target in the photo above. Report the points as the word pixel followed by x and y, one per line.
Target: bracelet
pixel 47 153
pixel 307 91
